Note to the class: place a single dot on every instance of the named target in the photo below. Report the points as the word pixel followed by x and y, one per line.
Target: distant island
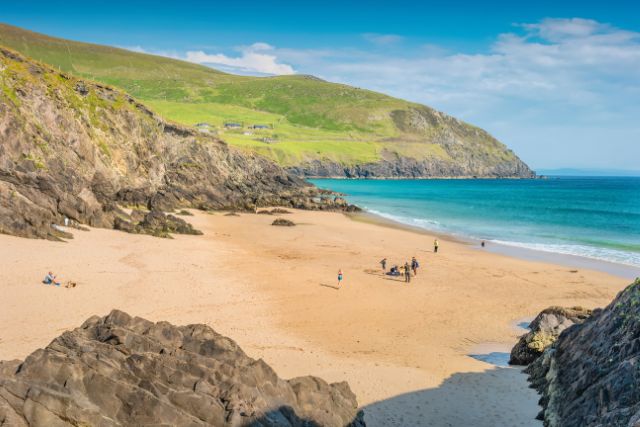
pixel 310 127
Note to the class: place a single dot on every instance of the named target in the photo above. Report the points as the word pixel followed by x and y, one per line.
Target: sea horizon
pixel 527 218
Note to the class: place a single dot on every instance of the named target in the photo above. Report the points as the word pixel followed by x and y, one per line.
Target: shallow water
pixel 593 217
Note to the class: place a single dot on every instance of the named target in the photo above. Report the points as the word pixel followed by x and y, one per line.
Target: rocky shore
pixel 77 152
pixel 589 376
pixel 120 370
pixel 544 330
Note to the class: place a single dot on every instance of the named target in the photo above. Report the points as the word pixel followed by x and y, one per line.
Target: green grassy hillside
pixel 309 119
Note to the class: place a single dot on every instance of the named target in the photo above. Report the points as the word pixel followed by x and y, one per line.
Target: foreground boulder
pixel 120 370
pixel 590 377
pixel 544 331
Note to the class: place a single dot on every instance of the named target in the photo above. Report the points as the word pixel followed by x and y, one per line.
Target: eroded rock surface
pixel 544 331
pixel 120 370
pixel 590 377
pixel 80 150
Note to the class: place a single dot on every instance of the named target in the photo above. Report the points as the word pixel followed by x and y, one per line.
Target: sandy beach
pixel 403 348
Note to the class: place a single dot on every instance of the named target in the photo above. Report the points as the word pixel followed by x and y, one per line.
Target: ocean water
pixel 593 217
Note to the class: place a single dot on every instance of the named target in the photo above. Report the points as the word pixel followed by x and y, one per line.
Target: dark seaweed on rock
pixel 120 370
pixel 590 377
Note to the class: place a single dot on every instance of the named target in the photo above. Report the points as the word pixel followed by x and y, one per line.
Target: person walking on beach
pixel 407 273
pixel 414 266
pixel 339 277
pixel 383 263
pixel 435 245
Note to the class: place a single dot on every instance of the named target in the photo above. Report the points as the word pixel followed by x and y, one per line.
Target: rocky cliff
pixel 81 150
pixel 590 377
pixel 120 370
pixel 544 330
pixel 458 150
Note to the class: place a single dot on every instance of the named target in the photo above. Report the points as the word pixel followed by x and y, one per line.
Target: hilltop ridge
pixel 311 127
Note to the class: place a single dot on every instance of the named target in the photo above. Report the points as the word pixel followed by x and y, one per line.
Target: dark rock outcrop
pixel 544 331
pixel 406 167
pixel 154 223
pixel 120 370
pixel 590 377
pixel 282 222
pixel 76 149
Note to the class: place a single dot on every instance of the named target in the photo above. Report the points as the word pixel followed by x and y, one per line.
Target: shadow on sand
pixel 329 286
pixel 498 397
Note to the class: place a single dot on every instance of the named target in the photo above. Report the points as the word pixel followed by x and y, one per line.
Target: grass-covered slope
pixel 73 149
pixel 314 127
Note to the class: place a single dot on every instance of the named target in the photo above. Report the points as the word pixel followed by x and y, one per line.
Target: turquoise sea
pixel 593 217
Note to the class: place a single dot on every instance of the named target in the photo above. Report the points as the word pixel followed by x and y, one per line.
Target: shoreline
pixel 404 349
pixel 566 260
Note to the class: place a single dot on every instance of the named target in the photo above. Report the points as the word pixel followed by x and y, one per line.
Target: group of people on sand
pixel 399 271
pixel 403 270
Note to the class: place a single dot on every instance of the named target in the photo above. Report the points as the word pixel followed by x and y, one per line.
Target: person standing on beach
pixel 407 273
pixel 339 277
pixel 435 245
pixel 414 266
pixel 383 263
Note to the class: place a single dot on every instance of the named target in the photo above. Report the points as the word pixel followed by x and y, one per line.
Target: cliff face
pixel 457 149
pixel 126 371
pixel 591 375
pixel 76 149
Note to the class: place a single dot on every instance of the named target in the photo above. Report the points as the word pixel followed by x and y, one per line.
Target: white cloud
pixel 253 59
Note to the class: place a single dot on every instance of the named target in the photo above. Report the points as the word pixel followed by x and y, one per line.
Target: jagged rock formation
pixel 406 167
pixel 544 331
pixel 76 149
pixel 120 370
pixel 590 377
pixel 154 223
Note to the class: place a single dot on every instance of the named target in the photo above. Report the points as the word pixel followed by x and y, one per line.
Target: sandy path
pixel 403 348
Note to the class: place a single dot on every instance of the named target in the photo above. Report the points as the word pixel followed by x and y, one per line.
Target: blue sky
pixel 559 82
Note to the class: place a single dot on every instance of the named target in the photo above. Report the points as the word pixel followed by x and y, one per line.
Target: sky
pixel 557 81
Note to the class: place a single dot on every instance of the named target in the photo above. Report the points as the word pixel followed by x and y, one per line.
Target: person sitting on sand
pixel 407 272
pixel 435 245
pixel 394 271
pixel 50 279
pixel 383 263
pixel 414 266
pixel 339 277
